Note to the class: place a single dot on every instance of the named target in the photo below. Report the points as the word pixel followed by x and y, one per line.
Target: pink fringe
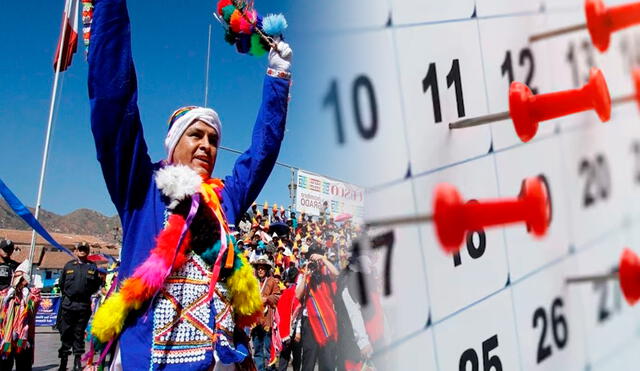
pixel 239 24
pixel 152 272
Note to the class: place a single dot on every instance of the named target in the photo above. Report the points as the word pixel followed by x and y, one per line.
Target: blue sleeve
pixel 115 119
pixel 253 167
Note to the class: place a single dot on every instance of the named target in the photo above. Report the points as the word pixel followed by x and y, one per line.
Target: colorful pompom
pixel 245 291
pixel 234 21
pixel 223 4
pixel 274 24
pixel 257 48
pixel 227 11
pixel 109 318
pixel 240 24
pixel 265 44
pixel 232 256
pixel 230 37
pixel 243 43
pixel 246 29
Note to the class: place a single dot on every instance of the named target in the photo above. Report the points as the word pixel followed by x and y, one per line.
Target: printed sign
pixel 48 311
pixel 316 194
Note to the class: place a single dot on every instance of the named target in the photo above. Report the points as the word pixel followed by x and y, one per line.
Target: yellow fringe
pixel 245 291
pixel 109 318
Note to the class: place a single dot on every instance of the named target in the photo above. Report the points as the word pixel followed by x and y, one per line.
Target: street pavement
pixel 47 344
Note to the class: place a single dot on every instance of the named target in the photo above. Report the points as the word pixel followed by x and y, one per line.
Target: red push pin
pixel 631 97
pixel 453 217
pixel 602 21
pixel 527 110
pixel 628 274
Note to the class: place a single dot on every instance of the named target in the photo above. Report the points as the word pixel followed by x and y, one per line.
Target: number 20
pixel 597 184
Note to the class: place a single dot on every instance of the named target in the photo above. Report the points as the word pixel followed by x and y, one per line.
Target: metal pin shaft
pixel 467 123
pixel 560 31
pixel 625 99
pixel 593 278
pixel 400 220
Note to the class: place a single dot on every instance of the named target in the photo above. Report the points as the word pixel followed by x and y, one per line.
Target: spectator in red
pixel 315 289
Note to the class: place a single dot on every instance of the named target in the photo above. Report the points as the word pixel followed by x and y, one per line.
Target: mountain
pixel 81 221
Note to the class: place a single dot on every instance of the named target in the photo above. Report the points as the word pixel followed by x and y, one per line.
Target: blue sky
pixel 169 48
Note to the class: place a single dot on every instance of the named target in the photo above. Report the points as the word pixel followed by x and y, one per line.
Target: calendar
pixel 393 74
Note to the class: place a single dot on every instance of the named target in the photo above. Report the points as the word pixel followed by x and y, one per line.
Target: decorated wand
pixel 246 29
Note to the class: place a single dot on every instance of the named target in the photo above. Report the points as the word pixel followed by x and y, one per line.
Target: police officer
pixel 79 281
pixel 7 265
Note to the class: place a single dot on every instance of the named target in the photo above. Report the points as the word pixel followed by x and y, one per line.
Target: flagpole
pixel 45 152
pixel 206 78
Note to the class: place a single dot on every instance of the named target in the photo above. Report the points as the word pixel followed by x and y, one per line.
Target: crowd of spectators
pixel 311 285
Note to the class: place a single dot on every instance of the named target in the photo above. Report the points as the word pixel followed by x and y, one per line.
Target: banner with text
pixel 313 191
pixel 48 310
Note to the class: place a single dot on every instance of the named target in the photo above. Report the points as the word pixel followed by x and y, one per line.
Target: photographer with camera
pixel 315 289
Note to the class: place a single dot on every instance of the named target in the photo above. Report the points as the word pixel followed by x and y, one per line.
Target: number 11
pixel 430 81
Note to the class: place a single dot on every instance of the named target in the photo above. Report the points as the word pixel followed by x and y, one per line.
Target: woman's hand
pixel 280 59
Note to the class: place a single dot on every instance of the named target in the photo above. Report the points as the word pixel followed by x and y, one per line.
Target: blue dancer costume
pixel 129 174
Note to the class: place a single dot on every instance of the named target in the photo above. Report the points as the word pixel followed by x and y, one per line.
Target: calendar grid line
pixel 562 9
pixel 399 342
pixel 411 183
pixel 478 157
pixel 341 31
pixel 540 269
pixel 617 351
pixel 418 238
pixel 498 189
pixel 591 244
pixel 382 186
pixel 539 138
pixel 433 23
pixel 470 18
pixel 468 306
pixel 573 250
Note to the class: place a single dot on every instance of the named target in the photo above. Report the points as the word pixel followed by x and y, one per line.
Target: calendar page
pixel 383 79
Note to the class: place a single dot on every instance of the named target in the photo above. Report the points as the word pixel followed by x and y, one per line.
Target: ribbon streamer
pixel 18 207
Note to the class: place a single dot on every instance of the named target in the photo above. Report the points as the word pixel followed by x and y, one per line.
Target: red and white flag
pixel 68 41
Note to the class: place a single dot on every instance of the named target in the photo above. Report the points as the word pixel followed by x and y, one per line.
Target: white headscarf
pixel 182 118
pixel 21 272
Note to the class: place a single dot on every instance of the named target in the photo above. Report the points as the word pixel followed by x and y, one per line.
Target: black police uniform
pixel 77 283
pixel 7 267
